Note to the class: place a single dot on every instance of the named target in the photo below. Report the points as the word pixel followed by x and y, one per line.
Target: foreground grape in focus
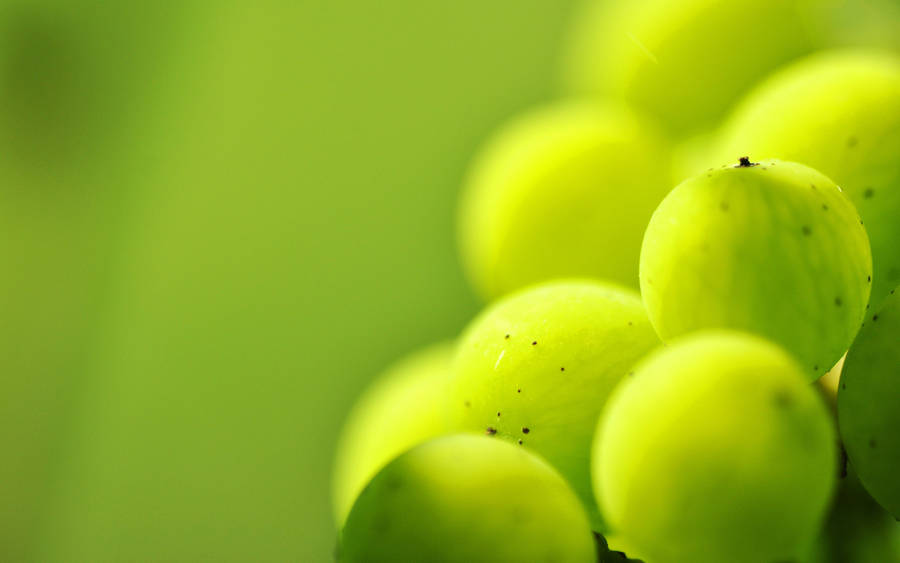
pixel 838 112
pixel 772 248
pixel 717 449
pixel 461 499
pixel 869 404
pixel 536 368
pixel 402 408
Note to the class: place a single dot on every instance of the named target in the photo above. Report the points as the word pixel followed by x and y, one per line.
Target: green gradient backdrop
pixel 251 214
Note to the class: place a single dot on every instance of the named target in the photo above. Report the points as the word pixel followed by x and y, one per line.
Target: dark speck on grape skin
pixel 874 318
pixel 506 337
pixel 525 430
pixel 744 162
pixel 843 385
pixel 868 193
pixel 534 343
pixel 838 302
pixel 816 368
pixel 490 431
pixel 520 442
pixel 806 230
pixel 562 369
pixel 782 399
pixel 518 390
pixel 869 279
pixel 824 207
pixel 498 414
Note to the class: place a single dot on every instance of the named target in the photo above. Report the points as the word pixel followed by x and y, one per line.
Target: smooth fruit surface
pixel 683 61
pixel 536 368
pixel 773 248
pixel 838 112
pixel 717 449
pixel 460 499
pixel 869 404
pixel 564 191
pixel 400 409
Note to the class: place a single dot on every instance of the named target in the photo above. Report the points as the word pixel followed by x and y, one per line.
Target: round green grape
pixel 858 530
pixel 459 499
pixel 683 61
pixel 772 248
pixel 400 409
pixel 536 368
pixel 717 449
pixel 868 408
pixel 838 112
pixel 564 191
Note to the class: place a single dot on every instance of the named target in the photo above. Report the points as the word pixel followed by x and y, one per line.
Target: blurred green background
pixel 219 221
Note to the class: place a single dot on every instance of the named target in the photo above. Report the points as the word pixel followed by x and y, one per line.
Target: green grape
pixel 868 413
pixel 564 191
pixel 858 530
pixel 717 449
pixel 772 248
pixel 838 112
pixel 400 409
pixel 683 61
pixel 459 499
pixel 536 368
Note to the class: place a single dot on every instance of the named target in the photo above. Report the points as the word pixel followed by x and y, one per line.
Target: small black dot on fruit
pixel 868 278
pixel 815 368
pixel 518 390
pixel 525 430
pixel 868 193
pixel 490 431
pixel 506 337
pixel 498 413
pixel 838 302
pixel 852 142
pixel 534 343
pixel 806 230
pixel 562 369
pixel 744 162
pixel 843 385
pixel 520 442
pixel 874 318
pixel 782 398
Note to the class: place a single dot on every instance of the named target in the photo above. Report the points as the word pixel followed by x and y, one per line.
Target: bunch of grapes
pixel 672 257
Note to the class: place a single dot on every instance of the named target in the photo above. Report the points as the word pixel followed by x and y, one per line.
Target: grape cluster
pixel 646 380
